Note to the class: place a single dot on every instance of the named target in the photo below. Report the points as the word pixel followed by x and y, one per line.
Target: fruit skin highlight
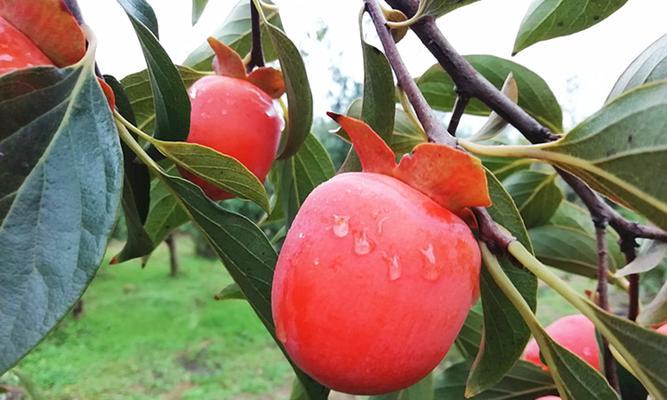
pixel 237 119
pixel 373 283
pixel 17 51
pixel 574 332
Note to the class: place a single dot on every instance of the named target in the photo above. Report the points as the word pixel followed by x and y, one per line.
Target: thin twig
pixel 256 55
pixel 459 107
pixel 630 251
pixel 434 129
pixel 468 81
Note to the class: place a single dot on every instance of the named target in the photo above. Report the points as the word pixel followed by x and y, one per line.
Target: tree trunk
pixel 173 258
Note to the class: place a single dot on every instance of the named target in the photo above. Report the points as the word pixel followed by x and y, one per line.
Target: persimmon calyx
pixel 227 62
pixel 451 177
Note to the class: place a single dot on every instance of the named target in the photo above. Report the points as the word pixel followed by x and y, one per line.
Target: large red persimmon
pixel 574 332
pixel 17 51
pixel 238 119
pixel 373 283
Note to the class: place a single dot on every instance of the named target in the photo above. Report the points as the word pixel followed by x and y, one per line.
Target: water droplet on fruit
pixel 341 226
pixel 301 235
pixel 281 334
pixel 381 223
pixel 316 262
pixel 394 268
pixel 361 244
pixel 431 272
pixel 429 253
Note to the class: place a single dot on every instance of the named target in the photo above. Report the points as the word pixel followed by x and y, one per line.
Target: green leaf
pixel 171 102
pixel 524 381
pixel 438 8
pixel 378 107
pixel 138 243
pixel 547 19
pixel 143 13
pixel 505 334
pixel 222 170
pixel 568 242
pixel 502 167
pixel 235 32
pixel 620 150
pixel 649 66
pixel 470 336
pixel 299 97
pixel 535 96
pixel 649 257
pixel 308 168
pixel 536 195
pixel 230 292
pixel 61 174
pixel 422 390
pixel 495 124
pixel 138 89
pixel 198 7
pixel 655 312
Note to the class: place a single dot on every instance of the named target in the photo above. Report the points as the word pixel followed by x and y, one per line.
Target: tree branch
pixel 434 129
pixel 459 107
pixel 468 81
pixel 256 55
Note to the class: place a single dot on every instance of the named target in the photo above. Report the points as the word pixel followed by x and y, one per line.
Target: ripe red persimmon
pixel 574 332
pixel 17 51
pixel 238 119
pixel 373 283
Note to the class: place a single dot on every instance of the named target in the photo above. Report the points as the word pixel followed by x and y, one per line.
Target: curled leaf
pixel 452 178
pixel 50 25
pixel 226 62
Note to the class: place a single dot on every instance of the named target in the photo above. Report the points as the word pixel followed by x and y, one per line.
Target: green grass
pixel 145 335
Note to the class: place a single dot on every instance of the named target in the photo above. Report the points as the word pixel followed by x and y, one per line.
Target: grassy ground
pixel 144 335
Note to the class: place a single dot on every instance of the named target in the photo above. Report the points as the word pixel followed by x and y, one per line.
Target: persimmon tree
pixel 381 265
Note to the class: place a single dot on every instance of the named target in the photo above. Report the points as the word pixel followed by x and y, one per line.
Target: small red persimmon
pixel 574 332
pixel 373 283
pixel 236 118
pixel 17 51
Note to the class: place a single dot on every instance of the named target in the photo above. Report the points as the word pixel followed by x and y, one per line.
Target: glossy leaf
pixel 649 257
pixel 524 381
pixel 170 100
pixel 547 19
pixel 50 25
pixel 58 141
pixel 438 8
pixel 505 334
pixel 138 89
pixel 619 150
pixel 649 66
pixel 451 177
pixel 198 7
pixel 568 242
pixel 308 168
pixel 495 123
pixel 536 195
pixel 536 96
pixel 299 97
pixel 235 32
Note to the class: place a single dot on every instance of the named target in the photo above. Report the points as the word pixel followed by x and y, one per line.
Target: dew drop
pixel 431 272
pixel 429 253
pixel 281 334
pixel 301 235
pixel 381 223
pixel 361 244
pixel 394 268
pixel 316 262
pixel 341 226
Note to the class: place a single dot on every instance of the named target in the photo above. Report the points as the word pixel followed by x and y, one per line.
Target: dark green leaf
pixel 438 8
pixel 198 7
pixel 171 102
pixel 299 97
pixel 236 33
pixel 422 390
pixel 143 13
pixel 505 334
pixel 470 336
pixel 378 107
pixel 536 195
pixel 138 89
pixel 524 381
pixel 547 19
pixel 309 167
pixel 535 96
pixel 650 66
pixel 620 150
pixel 61 174
pixel 230 292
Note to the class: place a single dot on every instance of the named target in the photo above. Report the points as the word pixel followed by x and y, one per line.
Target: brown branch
pixel 630 251
pixel 470 82
pixel 434 129
pixel 459 107
pixel 256 55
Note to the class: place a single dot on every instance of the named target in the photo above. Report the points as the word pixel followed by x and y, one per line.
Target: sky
pixel 581 69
